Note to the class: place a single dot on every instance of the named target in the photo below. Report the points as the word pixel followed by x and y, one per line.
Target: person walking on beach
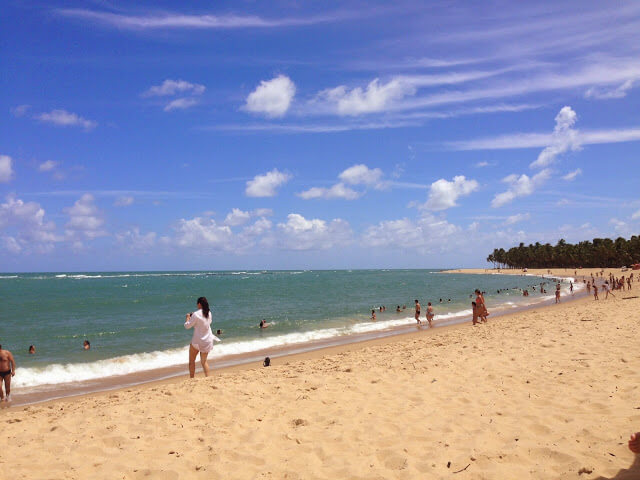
pixel 595 292
pixel 418 312
pixel 430 314
pixel 481 307
pixel 607 290
pixel 558 293
pixel 7 370
pixel 202 340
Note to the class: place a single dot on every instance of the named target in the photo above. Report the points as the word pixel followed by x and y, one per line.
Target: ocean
pixel 134 320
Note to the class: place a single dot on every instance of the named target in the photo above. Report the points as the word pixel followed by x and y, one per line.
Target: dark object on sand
pixel 267 362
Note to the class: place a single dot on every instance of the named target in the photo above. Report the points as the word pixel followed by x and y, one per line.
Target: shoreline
pixel 543 393
pixel 41 394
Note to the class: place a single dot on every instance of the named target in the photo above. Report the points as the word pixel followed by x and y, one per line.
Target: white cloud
pixel 84 219
pixel 520 186
pixel 260 227
pixel 444 194
pixel 482 164
pixel 362 175
pixel 376 97
pixel 173 87
pixel 205 233
pixel 636 215
pixel 180 104
pixel 175 20
pixel 266 185
pixel 519 217
pixel 262 212
pixel 272 97
pixel 572 175
pixel 25 228
pixel 298 233
pixel 425 234
pixel 47 166
pixel 339 190
pixel 62 118
pixel 564 138
pixel 123 201
pixel 607 93
pixel 6 168
pixel 136 241
pixel 237 217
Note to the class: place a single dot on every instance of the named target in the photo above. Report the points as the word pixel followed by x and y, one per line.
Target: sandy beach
pixel 551 392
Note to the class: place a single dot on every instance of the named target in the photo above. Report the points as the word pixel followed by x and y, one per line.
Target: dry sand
pixel 547 393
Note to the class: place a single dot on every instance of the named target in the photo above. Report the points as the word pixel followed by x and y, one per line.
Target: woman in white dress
pixel 203 337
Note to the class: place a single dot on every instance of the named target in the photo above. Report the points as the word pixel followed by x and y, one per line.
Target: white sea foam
pixel 8 276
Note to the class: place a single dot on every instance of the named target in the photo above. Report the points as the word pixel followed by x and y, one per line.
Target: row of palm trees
pixel 601 252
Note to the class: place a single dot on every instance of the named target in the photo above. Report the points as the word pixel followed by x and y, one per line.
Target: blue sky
pixel 250 135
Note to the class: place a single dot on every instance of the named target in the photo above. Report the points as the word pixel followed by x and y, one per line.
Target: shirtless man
pixel 7 370
pixel 418 312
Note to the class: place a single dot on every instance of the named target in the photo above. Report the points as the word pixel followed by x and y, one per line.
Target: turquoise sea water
pixel 134 320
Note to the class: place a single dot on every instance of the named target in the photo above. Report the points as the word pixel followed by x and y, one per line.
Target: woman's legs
pixel 203 361
pixel 193 353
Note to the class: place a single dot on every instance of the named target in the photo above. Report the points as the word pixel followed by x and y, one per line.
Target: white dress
pixel 203 337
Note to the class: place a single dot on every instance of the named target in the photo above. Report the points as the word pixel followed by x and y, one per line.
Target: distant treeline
pixel 601 252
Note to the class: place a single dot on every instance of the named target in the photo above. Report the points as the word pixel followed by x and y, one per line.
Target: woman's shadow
pixel 631 473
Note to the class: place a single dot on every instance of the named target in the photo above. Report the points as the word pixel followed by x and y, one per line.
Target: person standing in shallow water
pixel 418 312
pixel 202 340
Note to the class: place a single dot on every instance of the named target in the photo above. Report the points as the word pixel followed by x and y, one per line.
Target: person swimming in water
pixel 264 324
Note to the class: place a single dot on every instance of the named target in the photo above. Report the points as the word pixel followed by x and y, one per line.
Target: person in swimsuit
pixel 7 371
pixel 558 293
pixel 203 337
pixel 373 315
pixel 86 344
pixel 429 313
pixel 264 324
pixel 480 306
pixel 418 312
pixel 32 350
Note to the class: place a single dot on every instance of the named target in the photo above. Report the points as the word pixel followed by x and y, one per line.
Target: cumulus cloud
pixel 298 233
pixel 443 194
pixel 564 138
pixel 262 212
pixel 362 175
pixel 355 175
pixel 272 98
pixel 203 232
pixel 63 118
pixel 266 185
pixel 6 168
pixel 520 186
pixel 85 220
pixel 174 87
pixel 376 97
pixel 606 93
pixel 180 104
pixel 123 201
pixel 24 227
pixel 572 175
pixel 519 217
pixel 134 240
pixel 424 234
pixel 237 217
pixel 339 190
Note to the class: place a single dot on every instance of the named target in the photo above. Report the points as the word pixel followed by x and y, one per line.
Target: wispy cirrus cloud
pixel 177 20
pixel 536 140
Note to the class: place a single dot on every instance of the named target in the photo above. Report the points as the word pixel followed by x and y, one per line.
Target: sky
pixel 312 135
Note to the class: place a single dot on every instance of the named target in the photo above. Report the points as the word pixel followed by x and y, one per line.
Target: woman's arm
pixel 190 321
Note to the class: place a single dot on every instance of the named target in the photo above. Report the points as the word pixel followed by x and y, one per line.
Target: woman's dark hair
pixel 205 306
